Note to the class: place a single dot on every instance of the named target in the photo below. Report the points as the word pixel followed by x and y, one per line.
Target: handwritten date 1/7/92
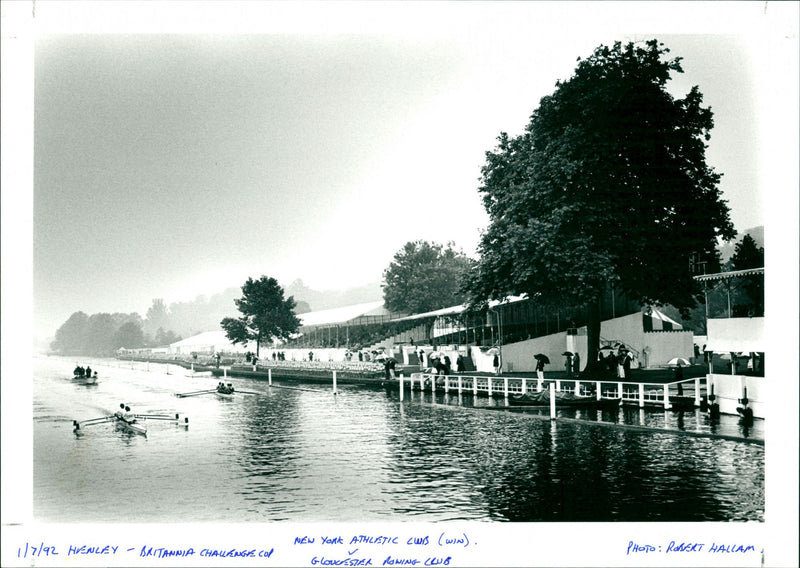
pixel 37 551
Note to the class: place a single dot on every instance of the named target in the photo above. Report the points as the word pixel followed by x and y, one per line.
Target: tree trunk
pixel 595 312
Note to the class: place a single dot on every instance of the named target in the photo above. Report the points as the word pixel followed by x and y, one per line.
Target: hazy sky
pixel 171 165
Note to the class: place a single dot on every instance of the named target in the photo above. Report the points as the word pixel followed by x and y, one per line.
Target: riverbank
pixel 369 373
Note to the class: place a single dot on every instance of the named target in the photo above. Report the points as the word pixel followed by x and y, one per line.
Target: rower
pixel 121 412
pixel 88 371
pixel 230 388
pixel 129 416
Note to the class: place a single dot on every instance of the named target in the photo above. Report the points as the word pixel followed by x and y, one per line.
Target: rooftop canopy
pixel 344 314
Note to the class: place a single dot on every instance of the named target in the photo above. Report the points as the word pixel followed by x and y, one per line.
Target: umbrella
pixel 493 351
pixel 606 348
pixel 542 357
pixel 567 353
pixel 434 355
pixel 381 357
pixel 678 361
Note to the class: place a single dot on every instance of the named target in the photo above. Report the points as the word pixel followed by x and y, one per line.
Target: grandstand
pixel 356 335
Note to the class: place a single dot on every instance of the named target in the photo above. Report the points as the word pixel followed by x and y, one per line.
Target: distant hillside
pixel 727 249
pixel 328 299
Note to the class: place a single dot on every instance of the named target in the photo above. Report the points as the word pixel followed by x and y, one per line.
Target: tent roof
pixel 659 321
pixel 463 308
pixel 215 338
pixel 343 314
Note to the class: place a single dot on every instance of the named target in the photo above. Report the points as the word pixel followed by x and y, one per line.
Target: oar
pixel 157 416
pixel 247 392
pixel 198 393
pixel 90 422
pixel 293 388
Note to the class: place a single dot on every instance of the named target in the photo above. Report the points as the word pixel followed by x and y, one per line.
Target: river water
pixel 308 456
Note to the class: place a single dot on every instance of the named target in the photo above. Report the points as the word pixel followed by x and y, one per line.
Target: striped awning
pixel 657 321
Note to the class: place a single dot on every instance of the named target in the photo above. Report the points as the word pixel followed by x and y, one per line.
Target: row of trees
pixel 100 335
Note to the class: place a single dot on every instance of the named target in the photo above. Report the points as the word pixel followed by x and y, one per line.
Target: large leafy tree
pixel 608 185
pixel 425 276
pixel 129 335
pixel 266 315
pixel 747 254
pixel 71 336
pixel 157 316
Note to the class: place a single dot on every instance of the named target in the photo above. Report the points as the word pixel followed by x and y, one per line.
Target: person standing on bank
pixel 679 378
pixel 576 364
pixel 496 364
pixel 626 365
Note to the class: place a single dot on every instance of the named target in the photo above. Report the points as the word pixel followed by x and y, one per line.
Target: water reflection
pixel 363 455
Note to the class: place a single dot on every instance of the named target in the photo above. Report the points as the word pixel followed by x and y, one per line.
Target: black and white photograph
pixel 399 283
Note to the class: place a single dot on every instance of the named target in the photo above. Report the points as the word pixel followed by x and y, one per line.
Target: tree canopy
pixel 266 315
pixel 425 276
pixel 748 254
pixel 608 185
pixel 99 334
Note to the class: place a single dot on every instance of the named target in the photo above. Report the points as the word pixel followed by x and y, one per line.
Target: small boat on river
pixel 85 380
pixel 135 427
pixel 225 391
pixel 563 399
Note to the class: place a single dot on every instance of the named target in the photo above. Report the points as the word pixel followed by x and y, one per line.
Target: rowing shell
pixel 135 427
pixel 225 395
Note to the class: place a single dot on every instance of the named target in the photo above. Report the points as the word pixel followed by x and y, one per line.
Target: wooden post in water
pixel 490 386
pixel 334 382
pixel 269 376
pixel 666 396
pixel 524 386
pixel 599 392
pixel 641 395
pixel 474 386
pixel 552 401
pixel 460 385
pixel 505 387
pixel 558 385
pixel 224 373
pixel 697 391
pixel 577 387
pixel 401 387
pixel 619 390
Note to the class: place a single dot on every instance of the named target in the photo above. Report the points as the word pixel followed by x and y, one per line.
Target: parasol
pixel 542 357
pixel 678 361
